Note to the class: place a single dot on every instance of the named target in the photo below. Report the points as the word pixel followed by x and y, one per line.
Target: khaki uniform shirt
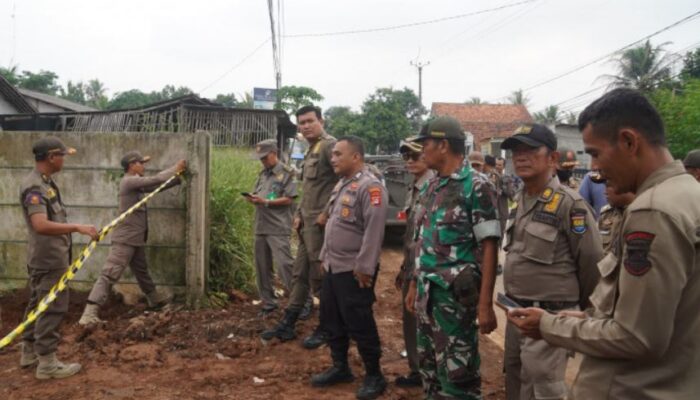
pixel 132 188
pixel 608 223
pixel 409 242
pixel 272 184
pixel 642 337
pixel 355 227
pixel 552 247
pixel 40 195
pixel 317 177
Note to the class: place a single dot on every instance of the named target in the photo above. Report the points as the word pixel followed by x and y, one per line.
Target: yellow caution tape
pixel 75 267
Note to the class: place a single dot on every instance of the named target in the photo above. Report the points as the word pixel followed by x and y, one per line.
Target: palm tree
pixel 95 93
pixel 548 116
pixel 644 68
pixel 519 97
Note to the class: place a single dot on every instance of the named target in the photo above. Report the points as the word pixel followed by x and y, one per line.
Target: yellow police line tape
pixel 75 267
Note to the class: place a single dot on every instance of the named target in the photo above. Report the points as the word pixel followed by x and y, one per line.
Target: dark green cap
pixel 134 156
pixel 51 145
pixel 442 128
pixel 692 159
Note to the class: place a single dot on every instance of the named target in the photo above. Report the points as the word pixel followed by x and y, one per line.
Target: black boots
pixel 411 380
pixel 284 330
pixel 372 387
pixel 316 339
pixel 338 373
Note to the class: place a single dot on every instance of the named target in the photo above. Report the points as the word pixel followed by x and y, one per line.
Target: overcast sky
pixel 148 44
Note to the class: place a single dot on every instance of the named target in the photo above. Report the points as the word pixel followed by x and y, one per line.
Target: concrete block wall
pixel 177 248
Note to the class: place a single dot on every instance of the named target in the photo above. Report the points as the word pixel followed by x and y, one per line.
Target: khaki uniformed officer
pixel 318 180
pixel 129 237
pixel 692 163
pixel 274 195
pixel 350 257
pixel 640 339
pixel 565 169
pixel 48 256
pixel 552 246
pixel 611 216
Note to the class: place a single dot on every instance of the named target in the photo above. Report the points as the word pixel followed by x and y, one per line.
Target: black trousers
pixel 346 313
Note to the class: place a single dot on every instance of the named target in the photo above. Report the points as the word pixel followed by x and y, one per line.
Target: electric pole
pixel 419 65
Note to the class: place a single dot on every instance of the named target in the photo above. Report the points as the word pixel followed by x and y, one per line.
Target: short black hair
pixel 623 108
pixel 490 160
pixel 501 158
pixel 355 142
pixel 308 109
pixel 457 146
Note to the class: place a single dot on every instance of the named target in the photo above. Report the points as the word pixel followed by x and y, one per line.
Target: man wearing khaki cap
pixel 129 237
pixel 48 257
pixel 274 194
pixel 692 163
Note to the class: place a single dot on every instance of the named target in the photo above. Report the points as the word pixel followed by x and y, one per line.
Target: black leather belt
pixel 546 305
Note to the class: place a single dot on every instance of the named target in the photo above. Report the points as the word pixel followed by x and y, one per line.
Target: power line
pixel 601 58
pixel 243 60
pixel 409 25
pixel 608 55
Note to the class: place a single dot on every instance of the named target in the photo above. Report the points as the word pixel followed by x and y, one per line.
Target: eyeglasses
pixel 411 156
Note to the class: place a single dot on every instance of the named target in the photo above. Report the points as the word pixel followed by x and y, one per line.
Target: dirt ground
pixel 208 354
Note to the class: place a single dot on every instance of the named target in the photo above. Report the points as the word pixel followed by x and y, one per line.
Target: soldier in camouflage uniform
pixel 456 214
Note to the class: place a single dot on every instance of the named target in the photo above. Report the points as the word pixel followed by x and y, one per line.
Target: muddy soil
pixel 208 354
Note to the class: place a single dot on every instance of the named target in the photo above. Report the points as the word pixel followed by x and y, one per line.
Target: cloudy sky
pixel 210 46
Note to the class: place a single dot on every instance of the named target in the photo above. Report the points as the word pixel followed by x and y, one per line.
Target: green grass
pixel 231 245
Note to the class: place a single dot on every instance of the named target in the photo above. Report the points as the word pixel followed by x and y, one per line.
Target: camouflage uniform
pixel 608 223
pixel 454 214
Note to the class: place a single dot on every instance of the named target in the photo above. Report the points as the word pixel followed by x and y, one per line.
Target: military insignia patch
pixel 523 130
pixel 32 198
pixel 437 134
pixel 547 194
pixel 637 261
pixel 553 205
pixel 279 177
pixel 345 212
pixel 346 199
pixel 578 221
pixel 50 193
pixel 375 196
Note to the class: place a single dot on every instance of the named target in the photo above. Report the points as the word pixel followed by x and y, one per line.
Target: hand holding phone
pixel 506 303
pixel 246 194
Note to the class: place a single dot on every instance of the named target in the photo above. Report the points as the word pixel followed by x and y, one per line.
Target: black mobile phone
pixel 506 303
pixel 246 194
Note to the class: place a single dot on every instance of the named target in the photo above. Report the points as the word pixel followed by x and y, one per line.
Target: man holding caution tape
pixel 552 246
pixel 48 256
pixel 273 197
pixel 129 237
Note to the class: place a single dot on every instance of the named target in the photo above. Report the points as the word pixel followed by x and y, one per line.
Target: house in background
pixel 45 103
pixel 12 101
pixel 486 125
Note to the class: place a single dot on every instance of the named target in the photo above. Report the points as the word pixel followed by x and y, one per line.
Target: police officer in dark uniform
pixel 48 256
pixel 350 257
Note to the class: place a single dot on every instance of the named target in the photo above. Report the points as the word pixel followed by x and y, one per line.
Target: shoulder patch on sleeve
pixel 33 198
pixel 578 221
pixel 375 195
pixel 636 260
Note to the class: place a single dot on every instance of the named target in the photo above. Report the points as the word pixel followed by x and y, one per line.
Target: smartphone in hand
pixel 506 303
pixel 246 194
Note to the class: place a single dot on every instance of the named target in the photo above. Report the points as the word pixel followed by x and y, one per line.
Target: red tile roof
pixel 485 121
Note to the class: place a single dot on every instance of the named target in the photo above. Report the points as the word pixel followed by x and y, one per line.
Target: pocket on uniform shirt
pixel 56 208
pixel 540 240
pixel 605 293
pixel 311 168
pixel 452 232
pixel 347 208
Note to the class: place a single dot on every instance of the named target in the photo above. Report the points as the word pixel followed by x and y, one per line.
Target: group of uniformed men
pixel 626 297
pixel 49 249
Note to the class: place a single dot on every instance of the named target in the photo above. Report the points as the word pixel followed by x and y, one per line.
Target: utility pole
pixel 419 65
